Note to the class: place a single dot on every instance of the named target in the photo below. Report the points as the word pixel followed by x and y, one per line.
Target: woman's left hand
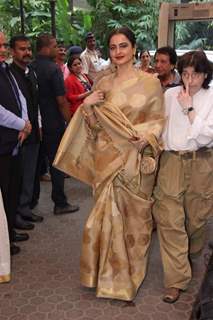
pixel 139 142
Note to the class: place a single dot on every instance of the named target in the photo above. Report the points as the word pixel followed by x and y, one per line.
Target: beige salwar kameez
pixel 184 186
pixel 4 246
pixel 118 231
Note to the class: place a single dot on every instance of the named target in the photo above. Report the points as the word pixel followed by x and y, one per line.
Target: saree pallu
pixel 4 246
pixel 118 231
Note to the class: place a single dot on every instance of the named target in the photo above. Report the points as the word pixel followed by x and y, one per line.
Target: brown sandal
pixel 171 295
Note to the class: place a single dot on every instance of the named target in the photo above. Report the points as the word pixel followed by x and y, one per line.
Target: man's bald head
pixel 1 34
pixel 3 47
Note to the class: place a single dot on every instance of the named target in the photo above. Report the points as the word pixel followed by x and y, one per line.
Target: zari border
pixel 5 278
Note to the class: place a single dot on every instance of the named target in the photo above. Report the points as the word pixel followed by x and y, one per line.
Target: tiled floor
pixel 45 275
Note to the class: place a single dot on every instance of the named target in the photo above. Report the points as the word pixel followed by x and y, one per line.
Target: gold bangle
pixel 87 115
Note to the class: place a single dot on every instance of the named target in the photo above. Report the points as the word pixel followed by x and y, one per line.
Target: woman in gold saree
pixel 112 144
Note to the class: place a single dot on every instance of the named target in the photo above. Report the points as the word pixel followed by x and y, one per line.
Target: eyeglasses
pixel 193 75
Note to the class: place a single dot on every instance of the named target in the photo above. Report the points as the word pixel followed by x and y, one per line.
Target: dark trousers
pixel 29 163
pixel 10 178
pixel 41 169
pixel 51 143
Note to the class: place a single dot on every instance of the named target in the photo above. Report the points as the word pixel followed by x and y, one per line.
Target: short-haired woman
pixel 184 191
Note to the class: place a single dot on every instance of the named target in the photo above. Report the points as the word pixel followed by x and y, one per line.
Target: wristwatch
pixel 187 110
pixel 190 109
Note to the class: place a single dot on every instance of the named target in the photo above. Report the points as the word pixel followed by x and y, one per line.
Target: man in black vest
pixel 54 114
pixel 14 129
pixel 27 81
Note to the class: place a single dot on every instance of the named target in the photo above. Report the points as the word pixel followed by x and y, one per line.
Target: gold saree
pixel 118 231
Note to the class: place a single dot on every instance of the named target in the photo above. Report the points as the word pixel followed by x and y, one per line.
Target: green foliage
pixel 63 20
pixel 82 23
pixel 38 19
pixel 142 18
pixel 193 35
pixel 105 15
pixel 37 16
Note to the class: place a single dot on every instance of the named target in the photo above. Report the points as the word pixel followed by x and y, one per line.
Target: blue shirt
pixel 9 119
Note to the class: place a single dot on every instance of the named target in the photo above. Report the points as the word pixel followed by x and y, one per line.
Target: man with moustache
pixel 55 114
pixel 165 60
pixel 26 78
pixel 60 59
pixel 14 129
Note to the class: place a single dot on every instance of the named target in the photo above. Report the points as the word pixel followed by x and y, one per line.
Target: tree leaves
pixel 105 15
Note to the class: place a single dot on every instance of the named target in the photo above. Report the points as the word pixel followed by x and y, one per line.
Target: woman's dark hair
pixel 198 60
pixel 143 51
pixel 126 32
pixel 71 59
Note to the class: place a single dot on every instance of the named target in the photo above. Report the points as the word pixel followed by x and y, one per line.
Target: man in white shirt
pixel 90 60
pixel 184 190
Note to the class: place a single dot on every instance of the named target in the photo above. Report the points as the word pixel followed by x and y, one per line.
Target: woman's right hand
pixel 95 97
pixel 139 142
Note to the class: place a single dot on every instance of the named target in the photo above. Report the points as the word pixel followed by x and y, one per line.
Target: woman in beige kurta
pixel 112 144
pixel 4 246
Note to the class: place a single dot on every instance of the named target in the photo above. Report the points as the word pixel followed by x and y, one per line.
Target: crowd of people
pixel 140 135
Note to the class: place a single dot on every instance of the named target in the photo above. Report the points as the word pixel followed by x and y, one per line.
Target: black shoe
pixel 19 237
pixel 33 218
pixel 14 249
pixel 22 224
pixel 69 208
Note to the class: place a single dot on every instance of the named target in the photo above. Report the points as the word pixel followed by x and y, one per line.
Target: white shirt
pixel 104 63
pixel 91 63
pixel 179 134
